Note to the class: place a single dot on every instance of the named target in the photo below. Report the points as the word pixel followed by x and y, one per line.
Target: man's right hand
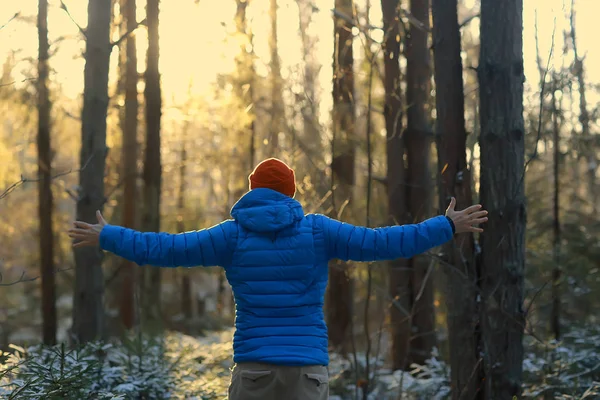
pixel 465 220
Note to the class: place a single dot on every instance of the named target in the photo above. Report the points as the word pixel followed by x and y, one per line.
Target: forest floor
pixel 185 367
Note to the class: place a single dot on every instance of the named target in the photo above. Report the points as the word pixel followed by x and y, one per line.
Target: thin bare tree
pixel 588 149
pixel 151 277
pixel 129 157
pixel 45 198
pixel 418 138
pixel 339 293
pixel 460 270
pixel 400 276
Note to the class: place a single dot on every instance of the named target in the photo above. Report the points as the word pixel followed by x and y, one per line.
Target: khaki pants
pixel 255 381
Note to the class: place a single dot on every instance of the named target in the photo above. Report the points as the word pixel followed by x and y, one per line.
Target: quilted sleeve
pixel 206 247
pixel 356 243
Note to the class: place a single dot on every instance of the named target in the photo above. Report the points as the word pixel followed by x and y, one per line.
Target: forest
pixel 155 113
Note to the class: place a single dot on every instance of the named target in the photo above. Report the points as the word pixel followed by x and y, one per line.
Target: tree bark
pixel 460 272
pixel 339 294
pixel 88 310
pixel 152 162
pixel 129 156
pixel 45 201
pixel 500 74
pixel 418 147
pixel 400 276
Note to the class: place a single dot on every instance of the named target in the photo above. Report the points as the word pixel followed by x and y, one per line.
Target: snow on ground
pixel 178 366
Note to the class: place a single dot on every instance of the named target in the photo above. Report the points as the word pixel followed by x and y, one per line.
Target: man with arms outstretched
pixel 276 261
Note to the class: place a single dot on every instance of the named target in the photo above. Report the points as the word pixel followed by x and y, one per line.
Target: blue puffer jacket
pixel 275 259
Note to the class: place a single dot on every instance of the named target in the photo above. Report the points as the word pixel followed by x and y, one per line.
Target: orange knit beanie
pixel 273 174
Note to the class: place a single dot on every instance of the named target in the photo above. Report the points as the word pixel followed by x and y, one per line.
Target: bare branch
pixel 380 179
pixel 352 23
pixel 414 21
pixel 119 184
pixel 411 19
pixel 70 115
pixel 13 82
pixel 129 32
pixel 63 6
pixel 468 20
pixel 542 94
pixel 10 20
pixel 22 278
pixel 24 180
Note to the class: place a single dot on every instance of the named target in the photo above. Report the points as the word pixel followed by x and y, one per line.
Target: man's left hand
pixel 87 234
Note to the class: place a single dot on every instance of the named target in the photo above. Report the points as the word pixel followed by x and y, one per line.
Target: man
pixel 275 258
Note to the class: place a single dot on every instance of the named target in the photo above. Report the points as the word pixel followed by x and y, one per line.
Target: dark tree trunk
pixel 502 193
pixel 152 163
pixel 129 155
pixel 460 271
pixel 339 294
pixel 45 202
pixel 418 148
pixel 88 310
pixel 400 275
pixel 556 233
pixel 186 284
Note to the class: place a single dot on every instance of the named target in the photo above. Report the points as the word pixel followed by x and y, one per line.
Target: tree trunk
pixel 339 294
pixel 186 285
pixel 460 270
pixel 88 310
pixel 500 74
pixel 588 148
pixel 129 155
pixel 418 148
pixel 45 207
pixel 556 234
pixel 309 101
pixel 400 276
pixel 152 164
pixel 276 90
pixel 246 76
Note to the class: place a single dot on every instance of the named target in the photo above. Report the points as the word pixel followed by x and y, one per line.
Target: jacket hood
pixel 265 210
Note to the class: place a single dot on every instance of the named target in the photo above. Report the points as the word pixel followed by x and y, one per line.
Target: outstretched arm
pixel 355 243
pixel 207 247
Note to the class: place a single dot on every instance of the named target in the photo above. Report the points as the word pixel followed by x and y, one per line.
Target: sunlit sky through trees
pixel 194 46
